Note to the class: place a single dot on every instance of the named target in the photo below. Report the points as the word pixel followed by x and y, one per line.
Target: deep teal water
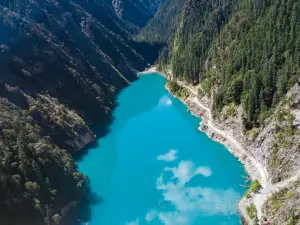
pixel 155 167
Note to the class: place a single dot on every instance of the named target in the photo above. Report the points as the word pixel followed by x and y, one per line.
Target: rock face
pixel 62 64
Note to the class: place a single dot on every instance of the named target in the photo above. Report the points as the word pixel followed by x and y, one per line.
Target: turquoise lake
pixel 155 168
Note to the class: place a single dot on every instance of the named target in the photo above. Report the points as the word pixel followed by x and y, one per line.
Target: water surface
pixel 156 168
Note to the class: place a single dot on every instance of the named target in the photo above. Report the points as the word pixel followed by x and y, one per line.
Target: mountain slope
pixel 136 12
pixel 213 33
pixel 62 64
pixel 244 58
pixel 164 24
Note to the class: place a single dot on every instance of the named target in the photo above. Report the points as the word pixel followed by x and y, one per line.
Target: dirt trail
pixel 263 174
pixel 268 188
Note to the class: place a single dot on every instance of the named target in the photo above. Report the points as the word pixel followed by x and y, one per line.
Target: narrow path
pixel 264 180
pixel 267 187
pixel 263 194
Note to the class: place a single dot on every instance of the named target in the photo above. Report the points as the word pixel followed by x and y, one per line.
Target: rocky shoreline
pixel 254 155
pixel 202 113
pixel 232 147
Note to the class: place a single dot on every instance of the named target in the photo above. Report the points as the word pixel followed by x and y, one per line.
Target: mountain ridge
pixel 62 65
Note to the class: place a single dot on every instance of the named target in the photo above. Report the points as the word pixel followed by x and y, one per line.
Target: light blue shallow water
pixel 155 167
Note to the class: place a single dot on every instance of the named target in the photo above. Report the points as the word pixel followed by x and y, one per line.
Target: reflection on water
pixel 191 201
pixel 154 167
pixel 169 156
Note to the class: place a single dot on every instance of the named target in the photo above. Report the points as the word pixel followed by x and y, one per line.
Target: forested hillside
pixel 62 64
pixel 161 28
pixel 244 58
pixel 136 13
pixel 247 51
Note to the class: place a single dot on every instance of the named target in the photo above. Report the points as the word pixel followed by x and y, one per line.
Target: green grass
pixel 255 186
pixel 183 93
pixel 251 210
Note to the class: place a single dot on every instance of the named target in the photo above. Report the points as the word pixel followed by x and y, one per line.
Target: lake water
pixel 156 168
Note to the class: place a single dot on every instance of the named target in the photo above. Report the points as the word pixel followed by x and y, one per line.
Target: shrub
pixel 255 186
pixel 251 210
pixel 174 86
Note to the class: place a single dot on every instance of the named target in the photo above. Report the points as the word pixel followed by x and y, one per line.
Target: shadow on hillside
pixel 82 214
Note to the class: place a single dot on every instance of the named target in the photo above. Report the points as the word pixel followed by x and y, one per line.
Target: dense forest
pixel 160 29
pixel 136 13
pixel 62 64
pixel 247 52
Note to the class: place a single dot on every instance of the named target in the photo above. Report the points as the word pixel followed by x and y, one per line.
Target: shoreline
pixel 152 69
pixel 256 170
pixel 213 133
pixel 253 168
